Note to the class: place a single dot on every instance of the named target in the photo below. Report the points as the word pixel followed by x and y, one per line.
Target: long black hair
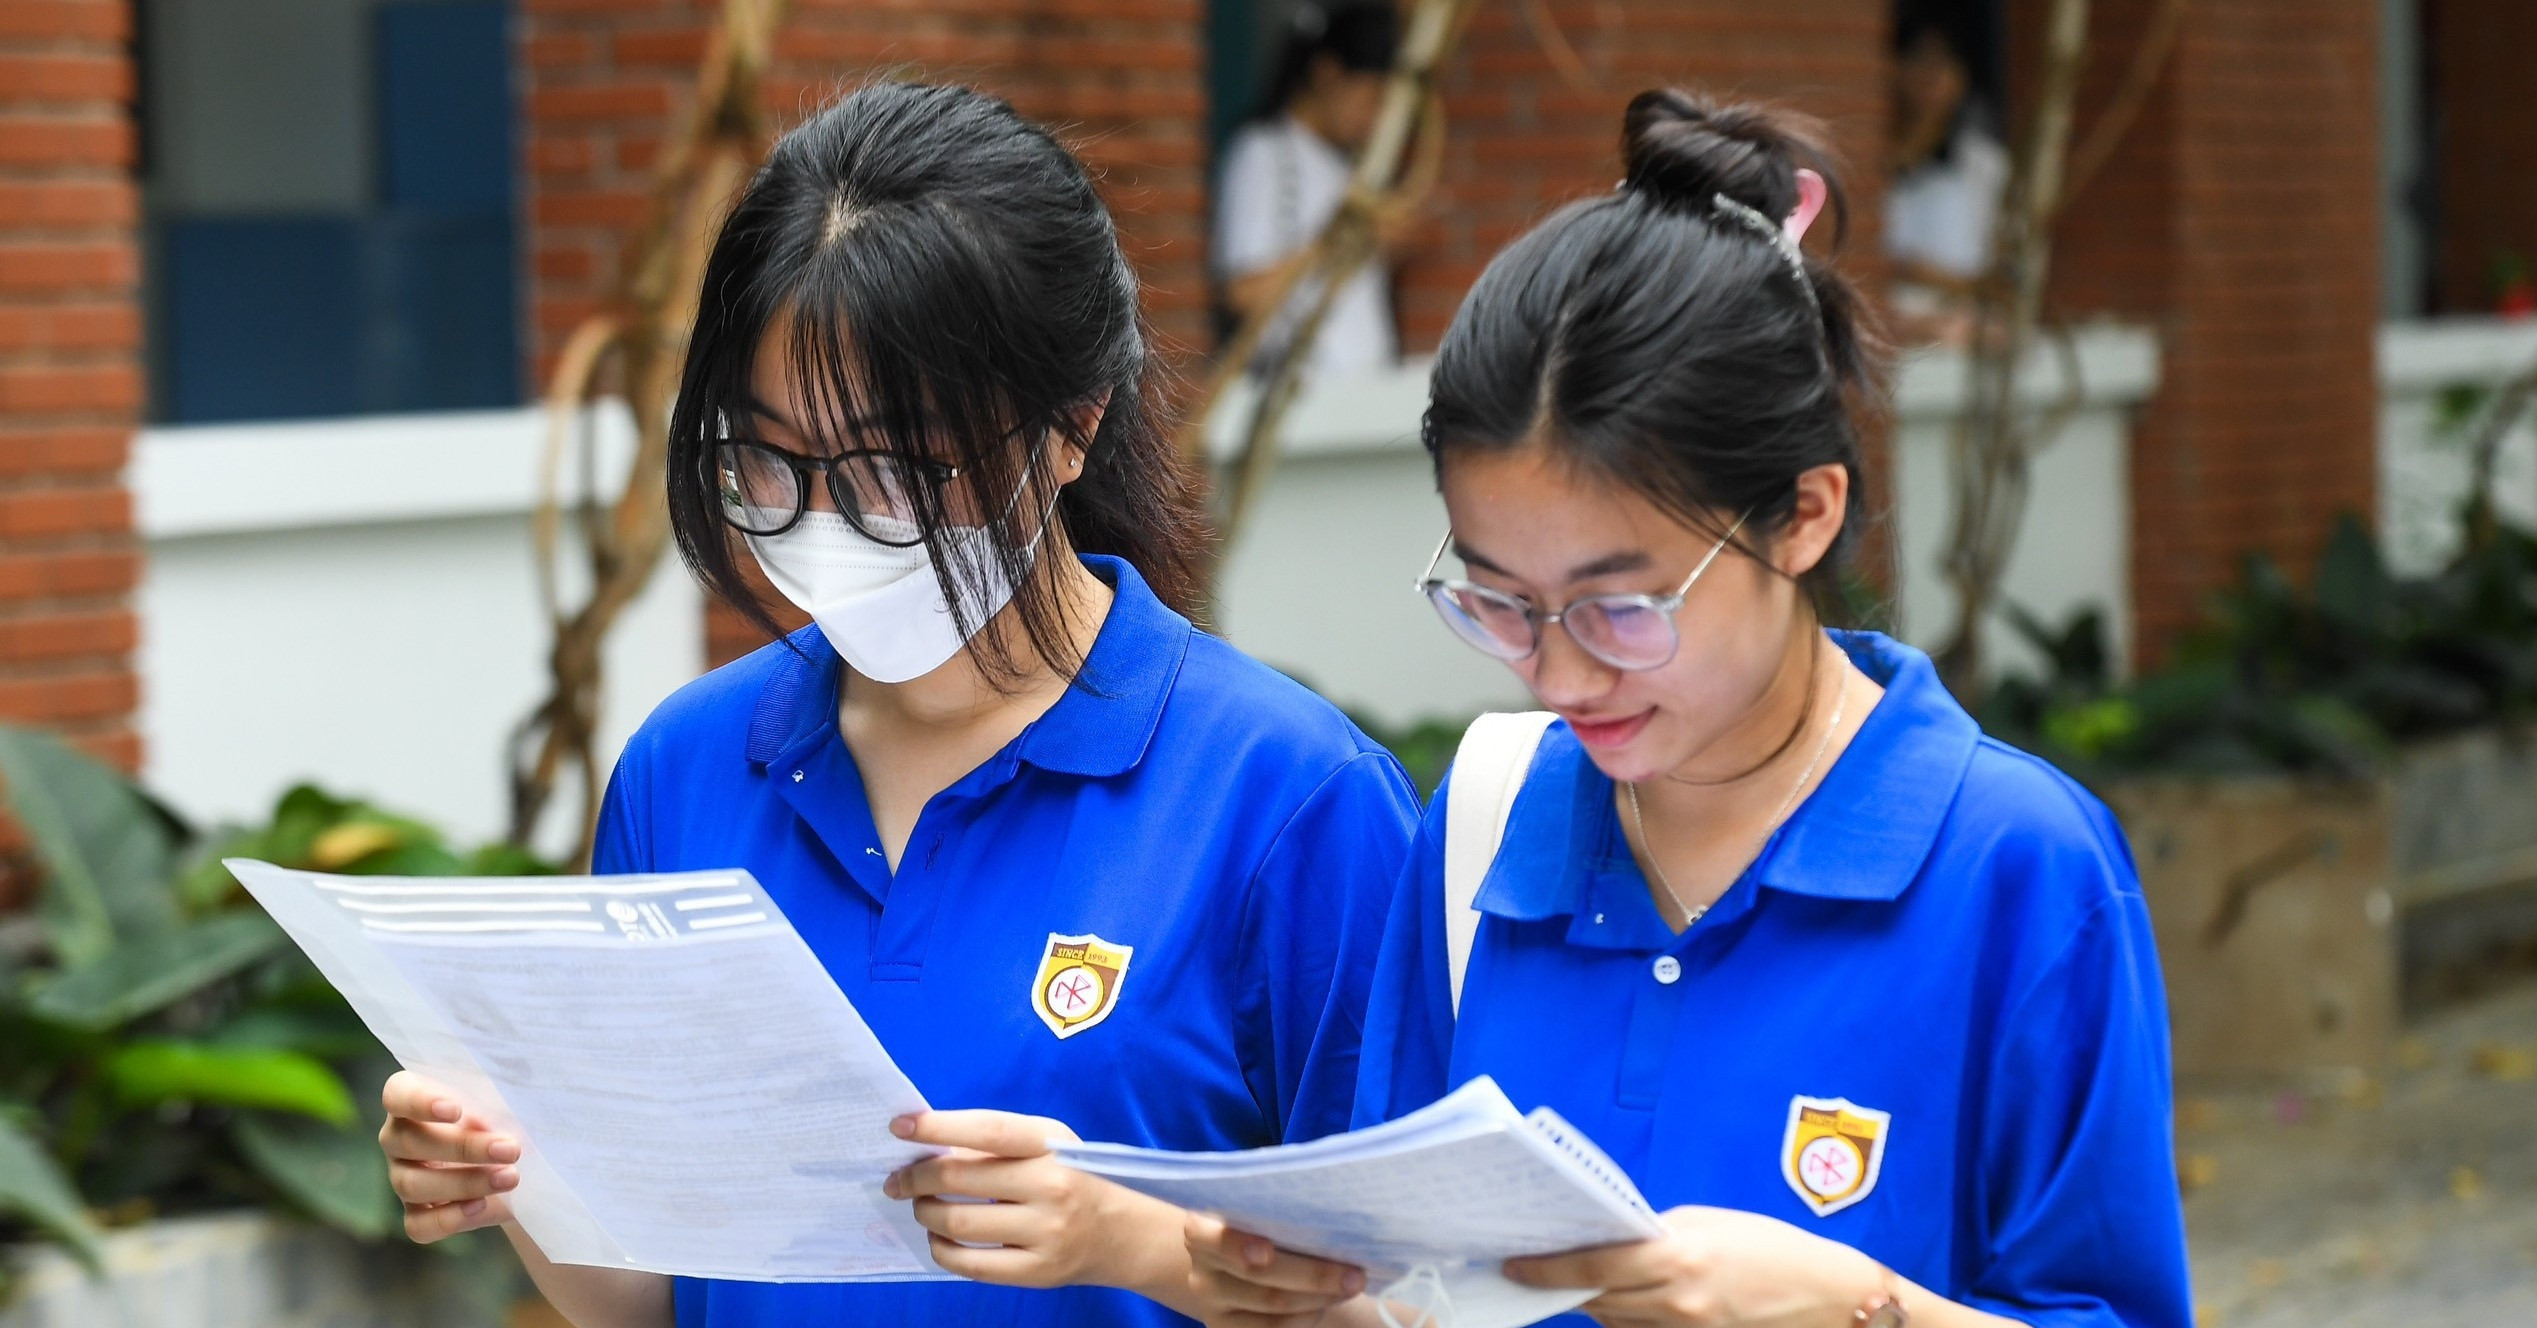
pixel 1663 341
pixel 955 291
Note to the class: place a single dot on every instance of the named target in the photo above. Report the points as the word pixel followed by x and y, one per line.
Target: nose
pixel 1562 674
pixel 822 496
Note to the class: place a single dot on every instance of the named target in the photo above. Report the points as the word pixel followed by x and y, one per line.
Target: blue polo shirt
pixel 1926 1023
pixel 1231 831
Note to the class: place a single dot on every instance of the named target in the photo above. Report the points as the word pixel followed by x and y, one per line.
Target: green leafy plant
pixel 163 1046
pixel 2327 679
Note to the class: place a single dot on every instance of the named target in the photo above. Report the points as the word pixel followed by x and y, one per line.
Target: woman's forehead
pixel 1547 520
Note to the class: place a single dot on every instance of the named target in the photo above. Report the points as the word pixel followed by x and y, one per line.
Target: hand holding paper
pixel 691 1092
pixel 1428 1205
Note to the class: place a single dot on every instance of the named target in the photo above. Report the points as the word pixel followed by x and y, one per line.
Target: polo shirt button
pixel 797 776
pixel 1669 970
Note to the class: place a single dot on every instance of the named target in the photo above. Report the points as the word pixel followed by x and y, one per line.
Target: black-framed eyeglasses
pixel 1633 632
pixel 764 490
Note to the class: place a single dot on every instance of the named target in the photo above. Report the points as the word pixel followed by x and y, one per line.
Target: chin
pixel 1633 762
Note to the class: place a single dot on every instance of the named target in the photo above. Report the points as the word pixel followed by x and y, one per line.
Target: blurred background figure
pixel 1284 173
pixel 1948 165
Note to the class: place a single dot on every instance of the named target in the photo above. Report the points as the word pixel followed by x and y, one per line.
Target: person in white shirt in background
pixel 1948 167
pixel 1284 173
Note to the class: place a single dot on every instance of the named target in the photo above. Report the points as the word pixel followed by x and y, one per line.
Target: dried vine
pixel 1991 447
pixel 1377 185
pixel 1995 441
pixel 638 341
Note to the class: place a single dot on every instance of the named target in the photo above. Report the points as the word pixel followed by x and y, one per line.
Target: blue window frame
pixel 298 274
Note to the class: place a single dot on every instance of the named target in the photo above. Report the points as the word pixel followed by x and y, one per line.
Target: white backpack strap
pixel 1488 771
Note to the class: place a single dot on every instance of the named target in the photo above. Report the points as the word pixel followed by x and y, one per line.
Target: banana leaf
pixel 108 851
pixel 149 1072
pixel 335 1172
pixel 140 976
pixel 328 1031
pixel 33 1188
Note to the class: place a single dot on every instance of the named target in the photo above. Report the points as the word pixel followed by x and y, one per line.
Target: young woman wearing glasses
pixel 1863 1002
pixel 1068 856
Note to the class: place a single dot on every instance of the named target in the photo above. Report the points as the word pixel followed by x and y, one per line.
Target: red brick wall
pixel 2485 155
pixel 2239 220
pixel 1121 77
pixel 70 382
pixel 1524 141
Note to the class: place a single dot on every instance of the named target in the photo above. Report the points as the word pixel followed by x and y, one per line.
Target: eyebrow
pixel 758 407
pixel 1628 560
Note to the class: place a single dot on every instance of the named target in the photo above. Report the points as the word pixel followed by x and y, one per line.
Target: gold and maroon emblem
pixel 1078 982
pixel 1833 1151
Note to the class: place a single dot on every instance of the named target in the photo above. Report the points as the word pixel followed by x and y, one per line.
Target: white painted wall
pixel 2423 469
pixel 1321 584
pixel 354 603
pixel 2074 548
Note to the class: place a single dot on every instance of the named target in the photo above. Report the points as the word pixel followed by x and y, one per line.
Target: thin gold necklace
pixel 1638 819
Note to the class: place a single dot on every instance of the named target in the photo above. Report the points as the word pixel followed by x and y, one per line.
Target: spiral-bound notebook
pixel 1448 1192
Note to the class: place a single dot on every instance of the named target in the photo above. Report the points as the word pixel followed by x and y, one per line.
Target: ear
pixel 1823 501
pixel 1068 454
pixel 1811 193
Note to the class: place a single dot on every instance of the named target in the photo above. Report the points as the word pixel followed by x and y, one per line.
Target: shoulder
pixel 714 712
pixel 1249 148
pixel 2039 860
pixel 1250 712
pixel 1979 154
pixel 2027 813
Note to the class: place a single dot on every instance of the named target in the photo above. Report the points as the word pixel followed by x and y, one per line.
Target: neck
pixel 1768 734
pixel 961 695
pixel 1307 110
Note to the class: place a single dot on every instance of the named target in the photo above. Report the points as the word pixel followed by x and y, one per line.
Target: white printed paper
pixel 1454 1189
pixel 693 1094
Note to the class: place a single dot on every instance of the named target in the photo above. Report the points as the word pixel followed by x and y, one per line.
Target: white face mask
pixel 882 607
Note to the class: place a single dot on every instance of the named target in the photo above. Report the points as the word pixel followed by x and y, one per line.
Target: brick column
pixel 1525 141
pixel 2240 221
pixel 1122 78
pixel 70 381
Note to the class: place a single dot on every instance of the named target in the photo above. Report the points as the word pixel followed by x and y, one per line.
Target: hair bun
pixel 1683 150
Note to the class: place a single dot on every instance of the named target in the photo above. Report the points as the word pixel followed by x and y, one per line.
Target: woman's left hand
pixel 1046 1224
pixel 1716 1267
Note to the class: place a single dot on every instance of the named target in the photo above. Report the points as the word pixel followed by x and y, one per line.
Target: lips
pixel 1608 732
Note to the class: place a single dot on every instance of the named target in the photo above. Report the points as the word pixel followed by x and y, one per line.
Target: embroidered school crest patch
pixel 1078 982
pixel 1833 1151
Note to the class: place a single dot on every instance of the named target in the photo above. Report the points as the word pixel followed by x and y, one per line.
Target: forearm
pixel 1250 293
pixel 591 1297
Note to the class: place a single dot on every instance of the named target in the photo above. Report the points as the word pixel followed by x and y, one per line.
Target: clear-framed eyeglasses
pixel 1633 632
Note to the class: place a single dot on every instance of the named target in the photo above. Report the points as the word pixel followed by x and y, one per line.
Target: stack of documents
pixel 694 1094
pixel 1449 1192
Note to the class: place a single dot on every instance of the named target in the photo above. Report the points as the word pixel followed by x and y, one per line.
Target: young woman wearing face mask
pixel 1080 866
pixel 1863 1002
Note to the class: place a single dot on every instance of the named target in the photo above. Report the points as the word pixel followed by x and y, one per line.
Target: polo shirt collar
pixel 1101 726
pixel 1863 834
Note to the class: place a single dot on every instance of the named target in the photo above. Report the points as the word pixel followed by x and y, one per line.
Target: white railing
pixel 354 602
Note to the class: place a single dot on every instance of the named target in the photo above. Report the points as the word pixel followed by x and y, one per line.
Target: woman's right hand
pixel 1248 1282
pixel 446 1164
